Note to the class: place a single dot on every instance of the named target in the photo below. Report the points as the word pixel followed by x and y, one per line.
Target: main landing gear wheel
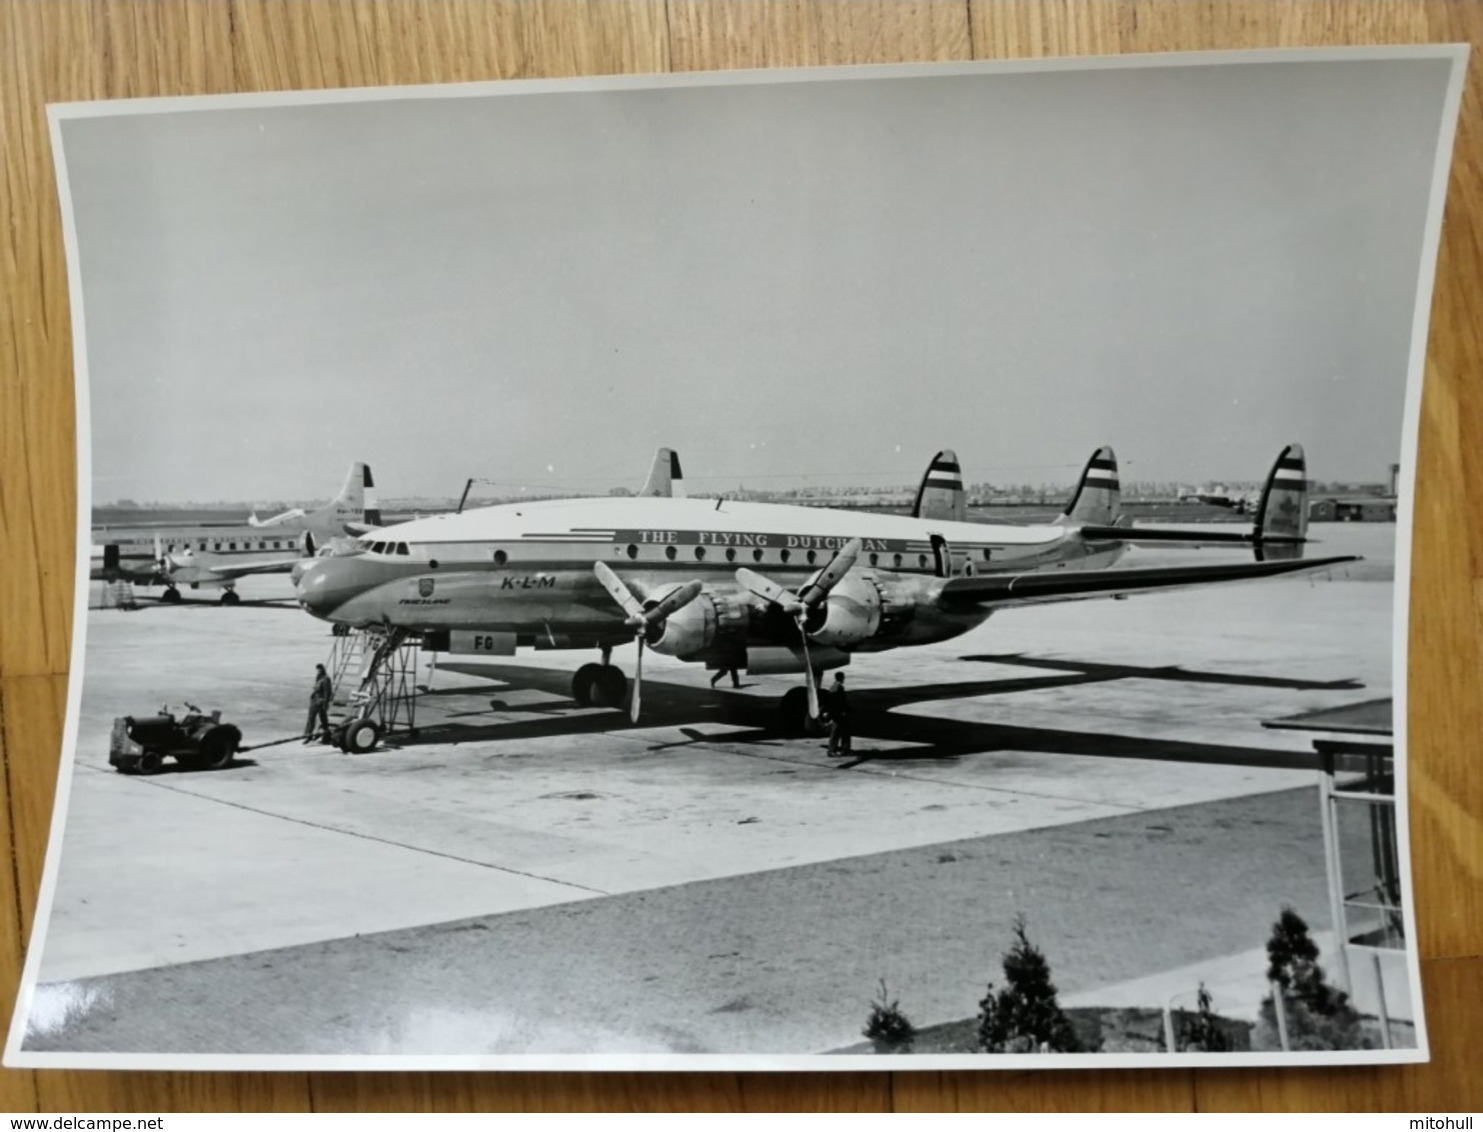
pixel 612 686
pixel 599 685
pixel 170 596
pixel 229 597
pixel 362 735
pixel 584 684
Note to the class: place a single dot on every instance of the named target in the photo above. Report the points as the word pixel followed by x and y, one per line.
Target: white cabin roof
pixel 608 518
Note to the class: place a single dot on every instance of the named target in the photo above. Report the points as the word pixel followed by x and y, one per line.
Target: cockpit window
pixel 401 548
pixel 379 547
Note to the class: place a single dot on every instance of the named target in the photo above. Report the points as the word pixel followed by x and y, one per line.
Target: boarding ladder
pixel 374 674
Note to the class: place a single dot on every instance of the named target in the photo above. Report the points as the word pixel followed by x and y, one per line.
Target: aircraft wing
pixel 228 571
pixel 1003 590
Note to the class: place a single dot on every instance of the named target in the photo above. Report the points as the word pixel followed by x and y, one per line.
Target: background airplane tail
pixel 940 494
pixel 1283 511
pixel 665 478
pixel 358 495
pixel 1098 494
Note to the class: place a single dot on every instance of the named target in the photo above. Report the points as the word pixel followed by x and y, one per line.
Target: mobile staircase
pixel 374 674
pixel 118 594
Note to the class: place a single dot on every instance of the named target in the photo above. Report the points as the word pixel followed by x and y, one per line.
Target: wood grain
pixel 57 51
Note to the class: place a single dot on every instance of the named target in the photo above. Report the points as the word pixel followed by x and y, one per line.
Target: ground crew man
pixel 734 673
pixel 839 719
pixel 319 706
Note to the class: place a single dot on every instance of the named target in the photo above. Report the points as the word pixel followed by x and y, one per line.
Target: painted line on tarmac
pixel 147 781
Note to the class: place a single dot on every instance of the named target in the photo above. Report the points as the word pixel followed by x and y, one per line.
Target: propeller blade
pixel 808 668
pixel 618 591
pixel 817 588
pixel 673 602
pixel 767 589
pixel 638 683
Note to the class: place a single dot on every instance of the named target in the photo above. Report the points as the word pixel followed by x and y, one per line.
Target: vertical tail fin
pixel 369 503
pixel 356 502
pixel 940 494
pixel 1283 511
pixel 665 478
pixel 1098 495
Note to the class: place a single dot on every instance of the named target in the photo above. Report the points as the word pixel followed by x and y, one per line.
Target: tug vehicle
pixel 196 741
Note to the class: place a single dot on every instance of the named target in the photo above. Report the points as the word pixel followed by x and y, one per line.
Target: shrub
pixel 1318 1015
pixel 1024 1016
pixel 887 1027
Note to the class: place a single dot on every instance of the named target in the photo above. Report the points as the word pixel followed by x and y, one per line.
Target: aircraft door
pixel 942 557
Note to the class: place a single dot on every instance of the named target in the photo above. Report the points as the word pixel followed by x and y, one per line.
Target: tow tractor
pixel 196 741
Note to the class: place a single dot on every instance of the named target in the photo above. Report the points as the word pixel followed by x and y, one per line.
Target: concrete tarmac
pixel 558 829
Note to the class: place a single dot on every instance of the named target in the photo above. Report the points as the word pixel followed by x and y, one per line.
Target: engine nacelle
pixel 689 630
pixel 850 614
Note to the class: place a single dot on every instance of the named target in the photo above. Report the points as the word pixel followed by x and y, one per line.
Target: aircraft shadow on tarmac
pixel 909 737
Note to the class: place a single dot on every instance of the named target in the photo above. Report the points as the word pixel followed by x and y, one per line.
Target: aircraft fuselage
pixel 526 571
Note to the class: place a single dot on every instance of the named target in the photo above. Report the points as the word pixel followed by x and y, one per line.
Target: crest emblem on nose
pixel 425 587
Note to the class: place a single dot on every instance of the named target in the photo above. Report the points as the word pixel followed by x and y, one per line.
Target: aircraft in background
pixel 665 478
pixel 353 512
pixel 219 556
pixel 765 587
pixel 1243 503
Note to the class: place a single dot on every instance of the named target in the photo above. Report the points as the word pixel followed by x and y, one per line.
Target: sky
pixel 814 282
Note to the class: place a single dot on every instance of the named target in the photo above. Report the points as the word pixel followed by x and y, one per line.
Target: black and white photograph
pixel 870 567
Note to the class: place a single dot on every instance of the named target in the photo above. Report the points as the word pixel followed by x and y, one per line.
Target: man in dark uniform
pixel 319 705
pixel 838 708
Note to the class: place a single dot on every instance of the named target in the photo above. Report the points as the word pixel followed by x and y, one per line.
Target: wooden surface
pixel 57 50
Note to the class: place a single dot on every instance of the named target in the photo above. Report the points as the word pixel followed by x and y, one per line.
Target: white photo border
pixel 17 1057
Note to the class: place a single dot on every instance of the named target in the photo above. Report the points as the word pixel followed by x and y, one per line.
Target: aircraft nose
pixel 325 584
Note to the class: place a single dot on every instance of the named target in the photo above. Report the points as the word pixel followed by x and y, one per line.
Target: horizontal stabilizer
pixel 1072 585
pixel 1215 537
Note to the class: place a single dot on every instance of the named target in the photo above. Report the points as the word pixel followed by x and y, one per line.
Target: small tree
pixel 1318 1016
pixel 1024 1016
pixel 1202 1032
pixel 887 1027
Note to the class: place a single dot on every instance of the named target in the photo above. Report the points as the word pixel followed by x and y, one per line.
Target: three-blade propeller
pixel 644 618
pixel 799 605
